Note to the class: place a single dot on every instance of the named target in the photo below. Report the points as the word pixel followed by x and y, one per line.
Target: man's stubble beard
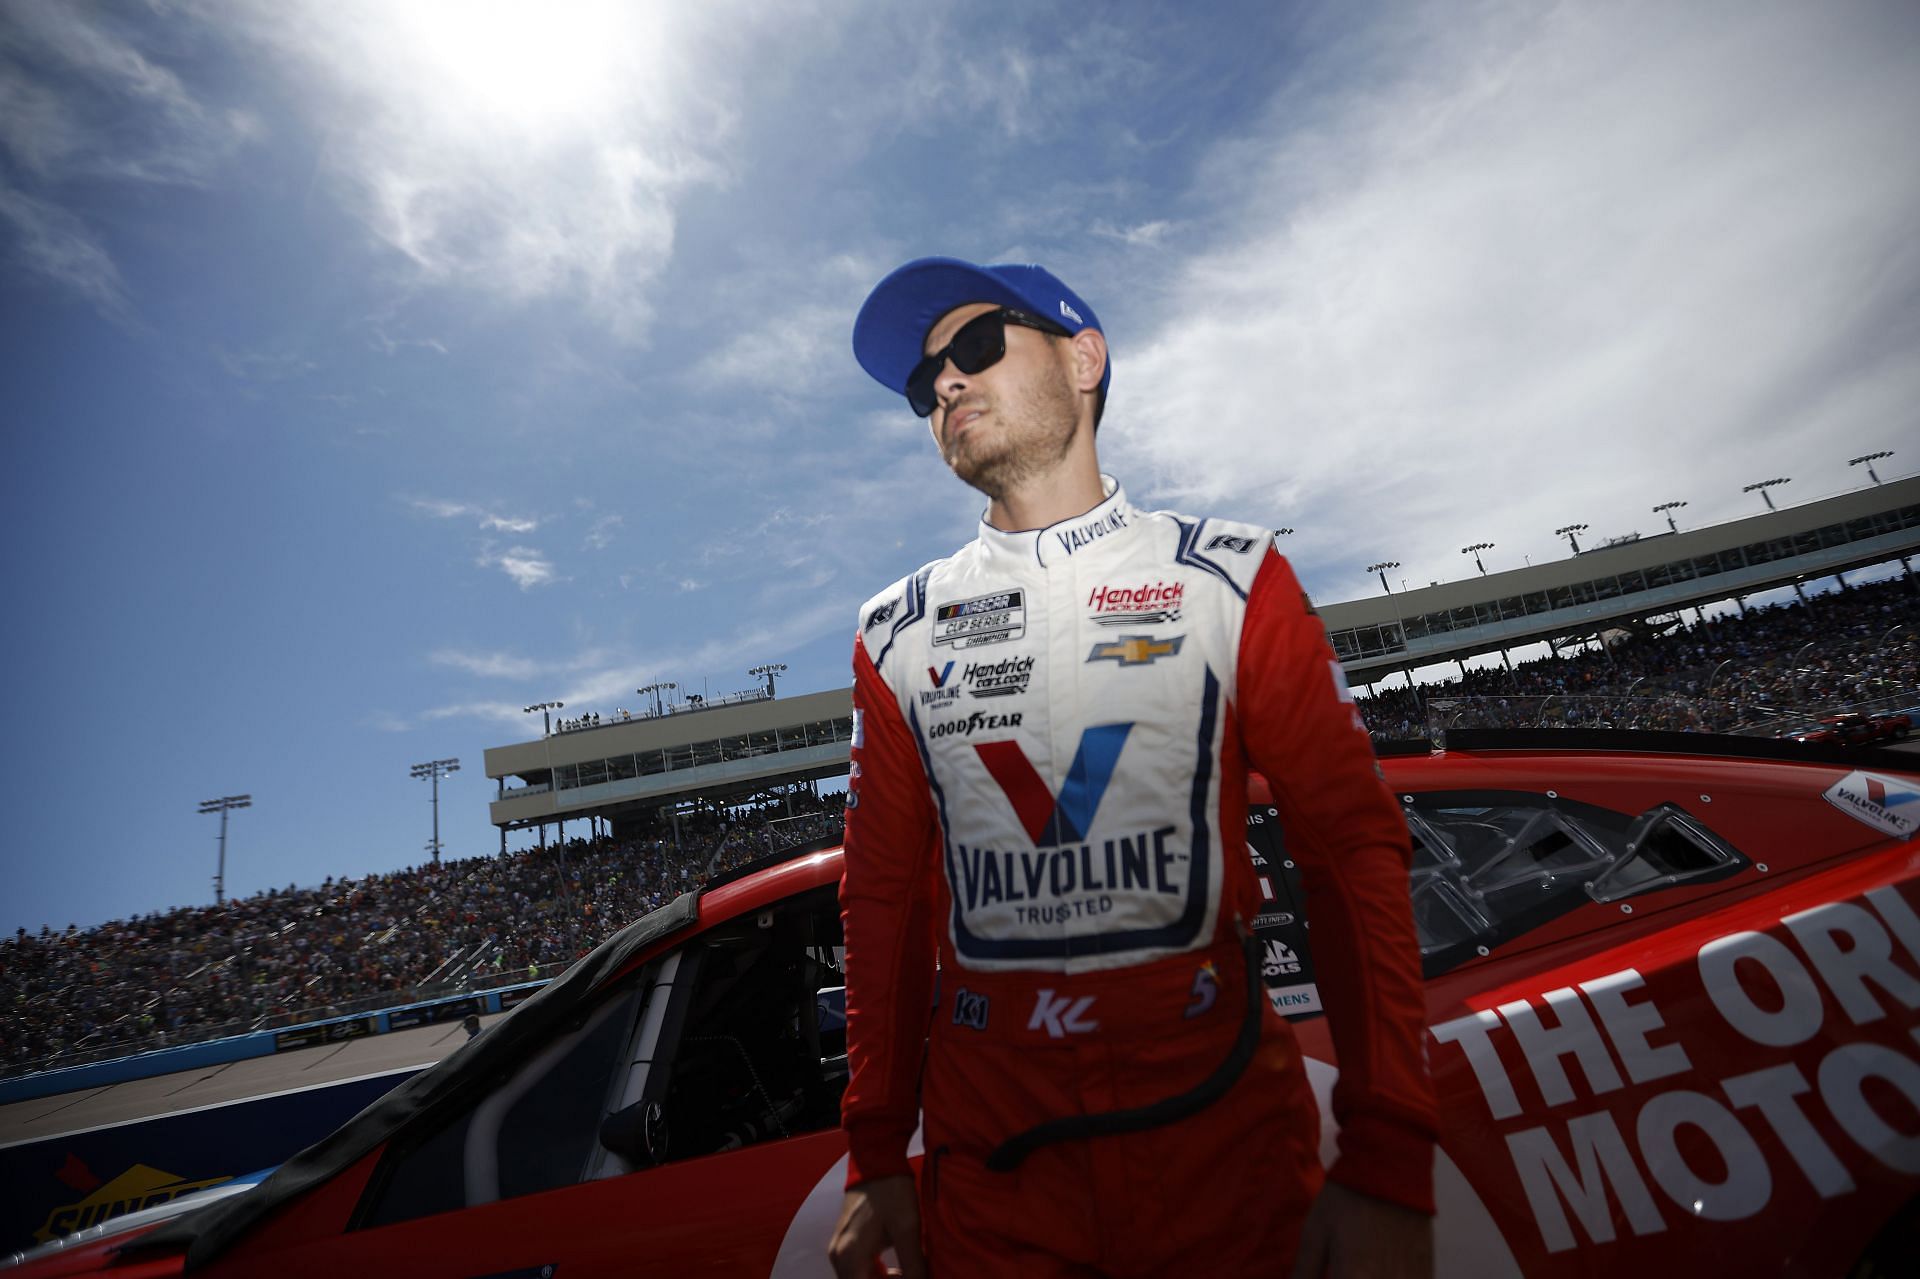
pixel 1034 436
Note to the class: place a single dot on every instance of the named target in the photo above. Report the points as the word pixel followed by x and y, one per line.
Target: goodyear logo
pixel 136 1188
pixel 1136 650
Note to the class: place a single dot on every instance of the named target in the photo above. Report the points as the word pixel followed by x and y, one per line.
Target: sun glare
pixel 536 65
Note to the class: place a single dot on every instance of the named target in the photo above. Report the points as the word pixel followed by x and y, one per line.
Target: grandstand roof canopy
pixel 712 752
pixel 1625 581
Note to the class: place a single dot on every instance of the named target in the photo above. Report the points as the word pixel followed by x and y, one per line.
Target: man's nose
pixel 950 385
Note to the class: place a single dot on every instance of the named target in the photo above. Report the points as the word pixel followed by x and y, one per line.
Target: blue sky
pixel 374 369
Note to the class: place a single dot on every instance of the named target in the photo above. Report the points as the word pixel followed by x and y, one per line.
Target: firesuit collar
pixel 1091 533
pixel 897 315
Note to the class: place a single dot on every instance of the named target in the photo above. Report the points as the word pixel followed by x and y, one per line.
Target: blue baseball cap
pixel 892 326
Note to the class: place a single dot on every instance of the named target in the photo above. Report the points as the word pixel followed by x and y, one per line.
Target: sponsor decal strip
pixel 1805 1043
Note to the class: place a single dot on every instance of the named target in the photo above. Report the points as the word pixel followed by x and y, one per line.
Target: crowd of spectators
pixel 297 954
pixel 300 953
pixel 1773 667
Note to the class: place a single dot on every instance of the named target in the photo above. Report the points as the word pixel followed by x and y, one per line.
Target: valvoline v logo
pixel 1052 820
pixel 939 677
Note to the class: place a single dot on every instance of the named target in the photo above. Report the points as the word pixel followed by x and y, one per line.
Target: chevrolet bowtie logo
pixel 1135 650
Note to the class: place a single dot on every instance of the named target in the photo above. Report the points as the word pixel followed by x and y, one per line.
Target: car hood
pixel 140 1219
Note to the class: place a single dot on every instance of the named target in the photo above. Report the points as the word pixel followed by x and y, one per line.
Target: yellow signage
pixel 138 1187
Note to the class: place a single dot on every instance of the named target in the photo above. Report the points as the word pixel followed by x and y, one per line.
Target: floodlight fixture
pixel 1381 568
pixel 1568 531
pixel 1667 509
pixel 1474 551
pixel 434 770
pixel 224 805
pixel 769 671
pixel 654 690
pixel 1762 486
pixel 1868 459
pixel 546 710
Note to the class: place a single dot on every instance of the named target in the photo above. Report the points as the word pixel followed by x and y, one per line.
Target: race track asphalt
pixel 236 1081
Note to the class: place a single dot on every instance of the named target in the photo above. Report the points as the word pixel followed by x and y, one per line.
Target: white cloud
pixel 78 99
pixel 600 536
pixel 50 242
pixel 439 508
pixel 526 566
pixel 525 152
pixel 487 665
pixel 1143 235
pixel 387 344
pixel 1550 266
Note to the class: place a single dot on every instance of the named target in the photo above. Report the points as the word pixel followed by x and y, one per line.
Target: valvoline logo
pixel 1050 819
pixel 1887 804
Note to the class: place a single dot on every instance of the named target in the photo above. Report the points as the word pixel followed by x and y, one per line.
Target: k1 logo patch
pixel 970 1010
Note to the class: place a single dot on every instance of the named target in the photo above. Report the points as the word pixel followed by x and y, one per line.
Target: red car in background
pixel 1857 729
pixel 1674 1007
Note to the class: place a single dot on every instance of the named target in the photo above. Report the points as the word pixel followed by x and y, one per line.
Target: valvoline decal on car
pixel 1887 804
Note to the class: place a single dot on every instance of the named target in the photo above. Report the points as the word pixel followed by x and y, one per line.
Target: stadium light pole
pixel 1381 568
pixel 1474 551
pixel 224 805
pixel 654 690
pixel 1282 532
pixel 1867 460
pixel 1667 509
pixel 1762 487
pixel 1568 532
pixel 546 710
pixel 435 769
pixel 770 670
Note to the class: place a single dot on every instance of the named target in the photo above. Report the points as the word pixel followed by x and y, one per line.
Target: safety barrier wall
pixel 262 1043
pixel 62 1184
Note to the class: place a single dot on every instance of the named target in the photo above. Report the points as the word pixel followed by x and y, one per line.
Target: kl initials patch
pixel 1136 650
pixel 1052 820
pixel 1060 1016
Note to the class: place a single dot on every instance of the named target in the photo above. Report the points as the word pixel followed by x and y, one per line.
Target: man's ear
pixel 1089 359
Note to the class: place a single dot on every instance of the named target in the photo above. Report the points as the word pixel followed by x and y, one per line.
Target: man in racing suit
pixel 1047 892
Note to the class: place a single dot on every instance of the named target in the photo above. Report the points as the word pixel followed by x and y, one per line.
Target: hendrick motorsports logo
pixel 1148 604
pixel 136 1188
pixel 1885 803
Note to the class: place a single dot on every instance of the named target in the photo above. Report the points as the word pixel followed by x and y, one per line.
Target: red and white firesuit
pixel 1052 735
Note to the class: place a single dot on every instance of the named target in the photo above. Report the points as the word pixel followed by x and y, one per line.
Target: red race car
pixel 1856 729
pixel 1673 997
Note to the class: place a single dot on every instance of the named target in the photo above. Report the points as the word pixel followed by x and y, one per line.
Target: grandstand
pixel 638 773
pixel 1622 584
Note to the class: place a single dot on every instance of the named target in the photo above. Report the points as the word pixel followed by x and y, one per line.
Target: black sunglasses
pixel 979 344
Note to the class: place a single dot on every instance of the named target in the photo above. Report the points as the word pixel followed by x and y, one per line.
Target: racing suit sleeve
pixel 886 907
pixel 1342 827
